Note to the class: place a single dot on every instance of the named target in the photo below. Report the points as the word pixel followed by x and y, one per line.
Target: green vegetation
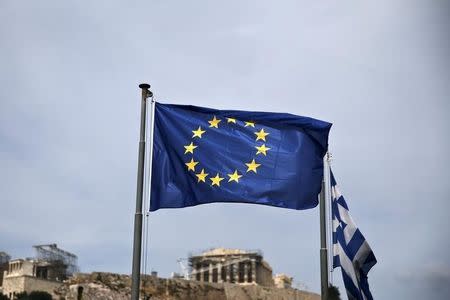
pixel 333 293
pixel 3 297
pixel 35 295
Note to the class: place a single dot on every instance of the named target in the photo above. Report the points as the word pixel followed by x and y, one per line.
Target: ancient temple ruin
pixel 231 265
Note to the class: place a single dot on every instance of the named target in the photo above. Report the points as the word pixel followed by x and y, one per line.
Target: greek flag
pixel 351 251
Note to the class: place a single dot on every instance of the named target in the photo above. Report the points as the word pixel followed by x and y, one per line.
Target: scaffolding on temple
pixel 4 258
pixel 51 253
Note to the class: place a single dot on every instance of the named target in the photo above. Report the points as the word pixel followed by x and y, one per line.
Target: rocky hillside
pixel 102 286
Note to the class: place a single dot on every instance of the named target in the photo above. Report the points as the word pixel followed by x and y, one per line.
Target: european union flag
pixel 203 155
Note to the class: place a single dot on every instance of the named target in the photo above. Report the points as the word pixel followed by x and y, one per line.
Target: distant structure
pixel 282 281
pixel 231 265
pixel 45 272
pixel 51 253
pixel 4 262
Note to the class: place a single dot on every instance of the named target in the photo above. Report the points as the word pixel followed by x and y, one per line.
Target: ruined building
pixel 45 272
pixel 282 281
pixel 231 265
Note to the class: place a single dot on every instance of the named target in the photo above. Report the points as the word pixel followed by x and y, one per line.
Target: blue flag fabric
pixel 203 155
pixel 351 251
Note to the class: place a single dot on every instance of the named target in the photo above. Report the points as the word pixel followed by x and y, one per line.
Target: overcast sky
pixel 69 126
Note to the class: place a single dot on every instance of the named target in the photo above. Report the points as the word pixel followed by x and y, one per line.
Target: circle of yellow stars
pixel 215 179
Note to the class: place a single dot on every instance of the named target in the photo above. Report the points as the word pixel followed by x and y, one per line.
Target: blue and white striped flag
pixel 351 251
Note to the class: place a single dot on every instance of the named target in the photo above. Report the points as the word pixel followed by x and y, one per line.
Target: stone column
pixel 246 271
pixel 219 273
pixel 210 272
pixel 253 271
pixel 202 273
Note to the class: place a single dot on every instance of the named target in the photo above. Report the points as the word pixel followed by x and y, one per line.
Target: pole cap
pixel 144 86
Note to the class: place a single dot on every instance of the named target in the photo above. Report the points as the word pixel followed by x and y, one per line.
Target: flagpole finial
pixel 145 87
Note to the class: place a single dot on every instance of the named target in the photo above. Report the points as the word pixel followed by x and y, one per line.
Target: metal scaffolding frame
pixel 4 257
pixel 52 253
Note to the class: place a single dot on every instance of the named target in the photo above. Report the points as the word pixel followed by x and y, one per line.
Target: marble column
pixel 210 272
pixel 253 280
pixel 219 272
pixel 202 273
pixel 245 271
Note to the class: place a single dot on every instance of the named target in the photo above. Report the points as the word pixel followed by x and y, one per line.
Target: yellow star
pixel 262 149
pixel 198 132
pixel 261 135
pixel 191 165
pixel 234 177
pixel 214 122
pixel 251 124
pixel 190 148
pixel 216 180
pixel 252 166
pixel 202 175
pixel 231 120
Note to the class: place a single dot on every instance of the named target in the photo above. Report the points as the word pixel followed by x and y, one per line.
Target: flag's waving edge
pixel 203 155
pixel 351 251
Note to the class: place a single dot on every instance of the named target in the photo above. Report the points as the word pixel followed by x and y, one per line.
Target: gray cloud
pixel 430 281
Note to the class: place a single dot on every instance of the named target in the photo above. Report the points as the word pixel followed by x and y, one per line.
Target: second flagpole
pixel 324 282
pixel 137 241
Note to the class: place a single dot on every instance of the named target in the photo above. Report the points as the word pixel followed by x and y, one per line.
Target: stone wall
pixel 17 284
pixel 13 285
pixel 264 274
pixel 100 286
pixel 36 284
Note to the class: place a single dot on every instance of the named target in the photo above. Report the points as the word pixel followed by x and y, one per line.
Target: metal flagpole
pixel 137 243
pixel 323 239
pixel 329 217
